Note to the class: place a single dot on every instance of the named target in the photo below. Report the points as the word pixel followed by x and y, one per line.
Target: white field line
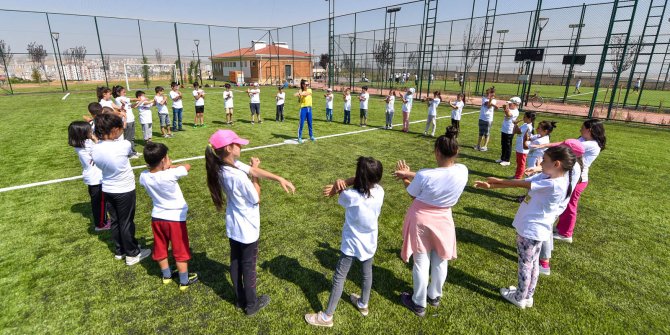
pixel 65 97
pixel 55 181
pixel 574 95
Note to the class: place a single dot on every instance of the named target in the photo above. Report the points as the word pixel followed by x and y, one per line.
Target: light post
pixel 197 47
pixel 542 23
pixel 501 42
pixel 570 46
pixel 331 40
pixel 63 81
pixel 352 40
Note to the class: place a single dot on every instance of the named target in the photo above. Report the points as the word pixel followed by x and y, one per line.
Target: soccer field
pixel 58 276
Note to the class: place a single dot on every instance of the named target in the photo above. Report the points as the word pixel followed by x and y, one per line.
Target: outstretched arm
pixel 337 187
pixel 258 173
pixel 492 182
pixel 403 172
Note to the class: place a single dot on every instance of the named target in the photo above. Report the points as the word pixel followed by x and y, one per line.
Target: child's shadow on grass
pixel 478 213
pixel 469 236
pixel 311 282
pixel 465 280
pixel 474 158
pixel 213 274
pixel 384 281
pixel 84 208
pixel 284 136
pixel 489 193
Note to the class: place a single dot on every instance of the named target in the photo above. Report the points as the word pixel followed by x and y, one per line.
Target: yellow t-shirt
pixel 306 101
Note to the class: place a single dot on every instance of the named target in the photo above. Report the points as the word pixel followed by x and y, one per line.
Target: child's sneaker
pixel 499 160
pixel 562 238
pixel 167 280
pixel 318 319
pixel 354 300
pixel 261 302
pixel 203 125
pixel 119 257
pixel 107 226
pixel 505 163
pixel 434 302
pixel 144 253
pixel 484 149
pixel 300 140
pixel 476 147
pixel 312 139
pixel 545 271
pixel 252 122
pixel 508 294
pixel 192 279
pixel 406 300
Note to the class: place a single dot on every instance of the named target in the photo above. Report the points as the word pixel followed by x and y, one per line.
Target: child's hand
pixel 87 118
pixel 482 184
pixel 493 180
pixel 531 170
pixel 335 188
pixel 255 162
pixel 286 185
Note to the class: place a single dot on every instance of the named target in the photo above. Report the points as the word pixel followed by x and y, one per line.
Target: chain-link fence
pixel 624 76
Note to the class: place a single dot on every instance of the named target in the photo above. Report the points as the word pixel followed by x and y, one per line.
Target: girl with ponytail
pixel 429 236
pixel 534 219
pixel 227 175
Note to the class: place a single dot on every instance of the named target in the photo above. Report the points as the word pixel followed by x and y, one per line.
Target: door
pixel 288 71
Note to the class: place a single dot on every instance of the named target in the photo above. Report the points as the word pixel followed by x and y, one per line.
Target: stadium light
pixel 56 35
pixel 393 10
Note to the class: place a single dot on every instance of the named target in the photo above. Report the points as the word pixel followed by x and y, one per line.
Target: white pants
pixel 431 121
pixel 423 267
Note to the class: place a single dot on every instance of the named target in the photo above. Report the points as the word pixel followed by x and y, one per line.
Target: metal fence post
pixel 9 80
pixel 574 52
pixel 102 56
pixel 176 39
pixel 55 55
pixel 467 49
pixel 211 54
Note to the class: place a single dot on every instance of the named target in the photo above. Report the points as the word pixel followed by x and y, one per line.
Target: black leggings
pixel 506 146
pixel 121 208
pixel 456 124
pixel 98 205
pixel 243 271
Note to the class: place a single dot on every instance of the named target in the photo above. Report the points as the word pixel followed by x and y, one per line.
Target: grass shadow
pixel 84 208
pixel 479 213
pixel 284 136
pixel 311 282
pixel 213 274
pixel 465 280
pixel 474 158
pixel 490 194
pixel 468 236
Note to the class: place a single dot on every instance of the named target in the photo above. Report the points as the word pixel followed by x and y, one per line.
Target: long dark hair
pixel 567 158
pixel 531 116
pixel 549 126
pixel 597 131
pixel 213 165
pixel 101 90
pixel 77 133
pixel 368 173
pixel 105 123
pixel 116 91
pixel 447 144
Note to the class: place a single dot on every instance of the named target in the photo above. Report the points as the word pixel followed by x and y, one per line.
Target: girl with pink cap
pixel 226 174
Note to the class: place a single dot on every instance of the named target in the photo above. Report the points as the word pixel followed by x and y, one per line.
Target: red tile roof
pixel 270 50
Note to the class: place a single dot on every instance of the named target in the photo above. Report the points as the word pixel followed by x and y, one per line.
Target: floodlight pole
pixel 4 63
pixel 197 47
pixel 331 40
pixel 532 71
pixel 176 39
pixel 574 52
pixel 446 66
pixel 102 56
pixel 467 48
pixel 501 43
pixel 211 53
pixel 56 36
pixel 54 48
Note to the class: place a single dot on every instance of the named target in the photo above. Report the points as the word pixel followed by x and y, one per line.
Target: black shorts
pixel 199 109
pixel 255 108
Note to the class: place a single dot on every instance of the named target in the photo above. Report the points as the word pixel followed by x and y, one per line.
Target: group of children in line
pixel 559 174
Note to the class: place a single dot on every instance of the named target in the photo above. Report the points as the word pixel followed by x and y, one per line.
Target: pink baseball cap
pixel 224 137
pixel 574 145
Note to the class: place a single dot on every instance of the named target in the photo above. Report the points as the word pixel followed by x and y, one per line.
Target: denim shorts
pixel 364 113
pixel 484 127
pixel 165 120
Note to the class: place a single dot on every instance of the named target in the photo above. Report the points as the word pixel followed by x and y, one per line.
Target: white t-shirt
pixel 164 190
pixel 407 106
pixel 106 103
pixel 125 102
pixel 535 155
pixel 329 101
pixel 432 107
pixel 255 96
pixel 361 214
pixel 485 112
pixel 591 152
pixel 525 128
pixel 456 112
pixel 282 96
pixel 390 106
pixel 347 102
pixel 364 103
pixel 228 103
pixel 92 175
pixel 540 207
pixel 161 104
pixel 145 112
pixel 243 218
pixel 111 157
pixel 199 101
pixel 508 122
pixel 176 103
pixel 439 187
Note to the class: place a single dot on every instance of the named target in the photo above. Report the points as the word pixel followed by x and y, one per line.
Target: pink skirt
pixel 427 228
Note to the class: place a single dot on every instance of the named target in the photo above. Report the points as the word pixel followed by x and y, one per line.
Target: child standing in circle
pixel 110 155
pixel 522 141
pixel 364 98
pixel 362 205
pixel 281 98
pixel 144 110
pixel 228 103
pixel 511 110
pixel 168 216
pixel 80 137
pixel 255 103
pixel 161 103
pixel 227 175
pixel 390 108
pixel 199 96
pixel 177 106
pixel 407 99
pixel 486 119
pixel 429 236
pixel 457 111
pixel 125 103
pixel 305 98
pixel 535 154
pixel 535 217
pixel 329 104
pixel 346 97
pixel 432 113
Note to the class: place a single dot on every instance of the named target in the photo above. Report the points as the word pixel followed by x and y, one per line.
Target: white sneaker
pixel 508 294
pixel 545 271
pixel 119 257
pixel 144 253
pixel 476 147
pixel 499 160
pixel 483 149
pixel 504 163
pixel 562 238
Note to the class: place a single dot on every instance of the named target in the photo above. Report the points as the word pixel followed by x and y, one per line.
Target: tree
pixel 5 54
pixel 192 69
pixel 37 55
pixel 383 55
pixel 616 52
pixel 413 60
pixel 35 75
pixel 472 49
pixel 79 55
pixel 145 71
pixel 324 60
pixel 159 56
